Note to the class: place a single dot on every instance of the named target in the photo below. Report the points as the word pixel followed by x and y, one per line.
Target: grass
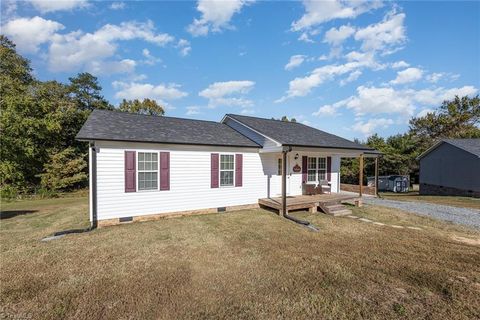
pixel 463 202
pixel 242 265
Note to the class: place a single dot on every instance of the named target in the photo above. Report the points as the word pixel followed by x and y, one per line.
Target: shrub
pixel 8 192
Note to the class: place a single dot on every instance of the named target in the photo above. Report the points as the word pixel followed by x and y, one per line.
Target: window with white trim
pixel 322 169
pixel 316 169
pixel 227 169
pixel 147 171
pixel 312 169
pixel 279 167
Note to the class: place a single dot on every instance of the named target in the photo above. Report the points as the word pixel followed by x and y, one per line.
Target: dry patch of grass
pixel 462 202
pixel 249 264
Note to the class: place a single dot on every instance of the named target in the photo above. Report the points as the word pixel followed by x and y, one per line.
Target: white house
pixel 144 166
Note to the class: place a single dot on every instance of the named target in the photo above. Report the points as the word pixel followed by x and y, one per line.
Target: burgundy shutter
pixel 304 169
pixel 214 170
pixel 130 171
pixel 329 168
pixel 164 170
pixel 238 170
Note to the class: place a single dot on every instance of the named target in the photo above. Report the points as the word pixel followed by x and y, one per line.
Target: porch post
pixel 284 182
pixel 360 176
pixel 376 176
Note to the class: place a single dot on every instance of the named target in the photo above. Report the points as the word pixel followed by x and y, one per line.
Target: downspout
pixel 94 222
pixel 284 189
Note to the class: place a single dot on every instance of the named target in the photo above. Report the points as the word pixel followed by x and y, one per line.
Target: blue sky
pixel 350 68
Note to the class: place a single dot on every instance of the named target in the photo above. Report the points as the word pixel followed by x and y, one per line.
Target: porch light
pixel 296 156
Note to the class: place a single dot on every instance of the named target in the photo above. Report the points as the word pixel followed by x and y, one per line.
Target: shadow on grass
pixel 13 213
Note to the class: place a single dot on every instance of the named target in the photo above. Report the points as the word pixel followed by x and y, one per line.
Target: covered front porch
pixel 310 179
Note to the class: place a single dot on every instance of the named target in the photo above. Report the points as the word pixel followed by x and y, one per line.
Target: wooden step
pixel 335 209
pixel 340 213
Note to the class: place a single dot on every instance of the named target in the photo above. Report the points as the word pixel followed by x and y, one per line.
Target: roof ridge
pixel 240 115
pixel 149 115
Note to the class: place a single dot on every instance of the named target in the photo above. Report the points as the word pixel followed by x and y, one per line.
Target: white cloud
pixel 45 6
pixel 305 38
pixel 216 15
pixel 384 100
pixel 373 100
pixel 408 75
pixel 149 58
pixel 192 110
pixel 77 50
pixel 436 96
pixel 368 128
pixel 400 64
pixel 111 67
pixel 326 111
pixel 161 92
pixel 434 77
pixel 335 36
pixel 385 36
pixel 29 33
pixel 301 86
pixel 117 5
pixel 184 47
pixel 226 93
pixel 295 61
pixel 318 12
pixel 351 77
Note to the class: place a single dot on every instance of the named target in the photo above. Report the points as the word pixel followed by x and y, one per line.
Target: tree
pixel 285 119
pixel 15 71
pixel 147 106
pixel 86 91
pixel 64 171
pixel 458 118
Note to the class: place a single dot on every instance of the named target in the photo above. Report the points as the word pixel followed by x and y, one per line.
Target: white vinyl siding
pixel 190 177
pixel 190 170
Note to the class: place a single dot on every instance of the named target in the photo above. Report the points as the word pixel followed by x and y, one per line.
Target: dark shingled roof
pixel 469 145
pixel 121 126
pixel 297 134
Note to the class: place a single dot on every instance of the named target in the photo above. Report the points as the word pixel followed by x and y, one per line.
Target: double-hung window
pixel 316 169
pixel 322 169
pixel 312 169
pixel 227 169
pixel 147 171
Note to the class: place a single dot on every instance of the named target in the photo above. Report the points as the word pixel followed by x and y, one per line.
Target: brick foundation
pixel 435 190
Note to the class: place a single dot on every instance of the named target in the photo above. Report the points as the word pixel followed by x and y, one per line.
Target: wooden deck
pixel 329 203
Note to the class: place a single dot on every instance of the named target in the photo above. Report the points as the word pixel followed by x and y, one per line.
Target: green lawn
pixel 242 265
pixel 465 202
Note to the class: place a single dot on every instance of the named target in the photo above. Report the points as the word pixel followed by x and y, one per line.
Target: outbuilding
pixel 451 167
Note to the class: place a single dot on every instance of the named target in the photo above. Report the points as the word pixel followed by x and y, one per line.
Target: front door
pixel 279 174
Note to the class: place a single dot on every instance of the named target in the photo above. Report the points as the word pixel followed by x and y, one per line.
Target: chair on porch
pixel 324 186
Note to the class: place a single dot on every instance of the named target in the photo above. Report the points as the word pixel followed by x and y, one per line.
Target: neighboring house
pixel 451 167
pixel 149 165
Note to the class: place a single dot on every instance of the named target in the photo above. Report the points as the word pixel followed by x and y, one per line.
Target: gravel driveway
pixel 465 216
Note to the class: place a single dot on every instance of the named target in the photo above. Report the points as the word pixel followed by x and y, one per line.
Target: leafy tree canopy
pixel 146 106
